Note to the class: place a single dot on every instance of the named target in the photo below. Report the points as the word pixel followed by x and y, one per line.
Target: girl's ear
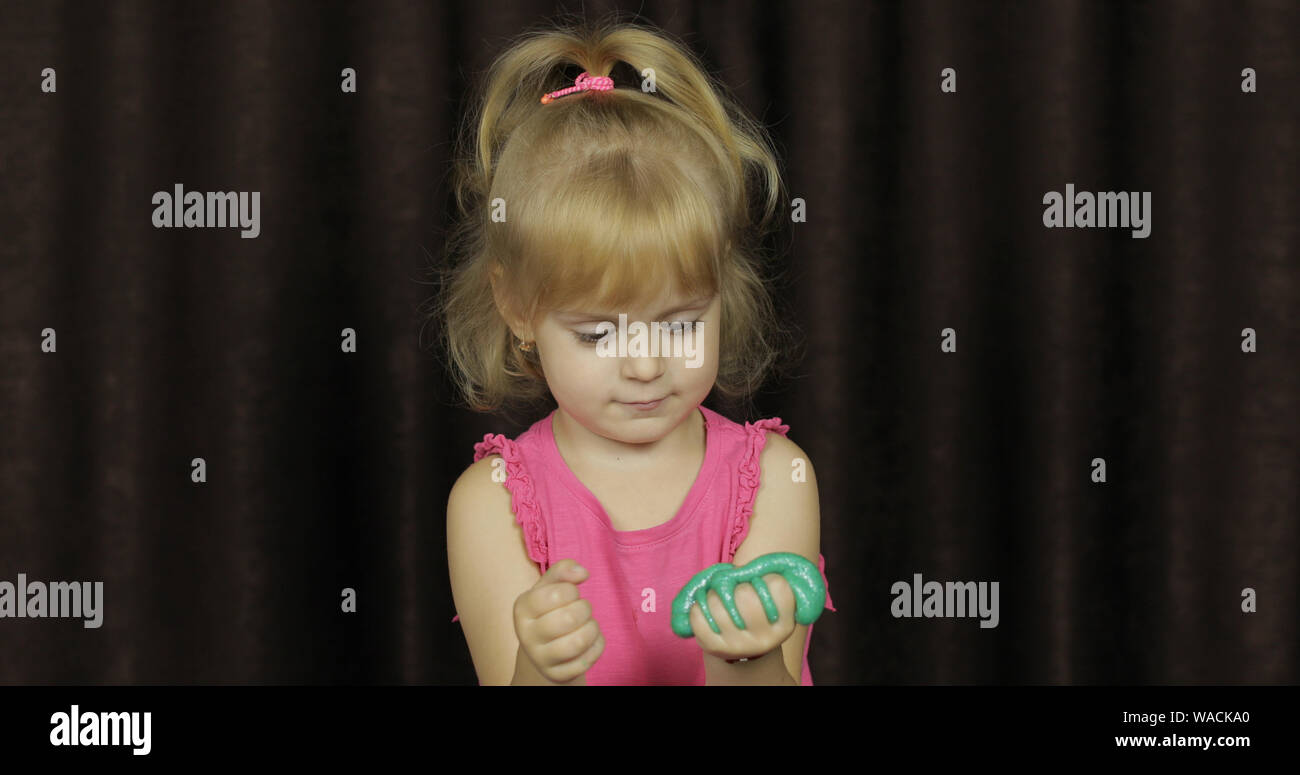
pixel 503 305
pixel 494 277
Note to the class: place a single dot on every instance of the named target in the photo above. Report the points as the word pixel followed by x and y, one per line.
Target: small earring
pixel 526 346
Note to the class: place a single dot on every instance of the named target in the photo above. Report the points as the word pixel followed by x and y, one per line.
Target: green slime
pixel 804 578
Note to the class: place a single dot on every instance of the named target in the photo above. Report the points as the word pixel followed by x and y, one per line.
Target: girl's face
pixel 596 384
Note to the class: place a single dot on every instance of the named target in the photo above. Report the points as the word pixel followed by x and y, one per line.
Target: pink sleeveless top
pixel 633 575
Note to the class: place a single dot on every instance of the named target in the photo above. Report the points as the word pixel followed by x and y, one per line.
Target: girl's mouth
pixel 646 405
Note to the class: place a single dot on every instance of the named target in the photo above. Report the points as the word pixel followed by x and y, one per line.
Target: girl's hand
pixel 759 636
pixel 553 623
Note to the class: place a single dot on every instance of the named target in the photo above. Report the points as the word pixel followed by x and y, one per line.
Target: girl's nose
pixel 643 367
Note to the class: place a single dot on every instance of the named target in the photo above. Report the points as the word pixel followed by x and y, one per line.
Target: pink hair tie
pixel 583 82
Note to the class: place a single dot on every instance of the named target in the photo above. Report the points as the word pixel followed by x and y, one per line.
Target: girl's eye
pixel 675 328
pixel 677 325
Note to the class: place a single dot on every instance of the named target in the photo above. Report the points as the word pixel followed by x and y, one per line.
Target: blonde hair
pixel 608 197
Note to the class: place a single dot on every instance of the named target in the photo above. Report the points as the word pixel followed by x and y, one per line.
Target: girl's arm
pixel 490 568
pixel 786 518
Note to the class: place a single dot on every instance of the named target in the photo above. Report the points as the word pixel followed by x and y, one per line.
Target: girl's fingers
pixel 759 633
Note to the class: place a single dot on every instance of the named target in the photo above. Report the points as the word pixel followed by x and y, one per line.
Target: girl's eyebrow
pixel 580 316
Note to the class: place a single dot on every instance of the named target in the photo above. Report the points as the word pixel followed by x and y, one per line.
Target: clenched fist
pixel 759 636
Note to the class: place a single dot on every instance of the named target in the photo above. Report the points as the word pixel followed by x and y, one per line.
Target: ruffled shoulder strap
pixel 751 474
pixel 522 498
pixel 523 501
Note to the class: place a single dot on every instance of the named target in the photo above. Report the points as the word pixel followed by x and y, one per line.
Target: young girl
pixel 606 183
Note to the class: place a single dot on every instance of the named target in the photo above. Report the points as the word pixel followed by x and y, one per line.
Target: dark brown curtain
pixel 329 470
